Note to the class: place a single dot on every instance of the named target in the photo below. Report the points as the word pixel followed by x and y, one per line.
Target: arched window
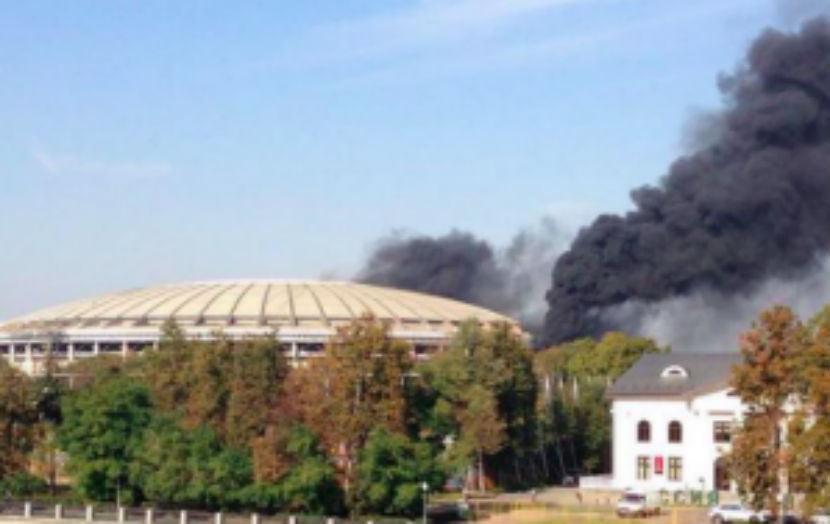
pixel 675 431
pixel 643 431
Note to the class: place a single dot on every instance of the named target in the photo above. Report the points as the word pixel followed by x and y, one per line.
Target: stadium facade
pixel 302 314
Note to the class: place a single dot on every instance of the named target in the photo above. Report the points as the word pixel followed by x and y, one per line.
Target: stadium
pixel 302 314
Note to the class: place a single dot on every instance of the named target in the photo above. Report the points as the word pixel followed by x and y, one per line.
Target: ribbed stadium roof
pixel 269 303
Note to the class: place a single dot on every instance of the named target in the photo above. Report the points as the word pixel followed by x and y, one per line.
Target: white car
pixel 734 513
pixel 821 516
pixel 633 504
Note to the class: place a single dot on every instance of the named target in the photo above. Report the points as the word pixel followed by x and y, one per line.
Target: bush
pixel 390 472
pixel 23 484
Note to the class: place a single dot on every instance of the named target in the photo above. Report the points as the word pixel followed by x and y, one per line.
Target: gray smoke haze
pixel 791 13
pixel 751 205
pixel 458 265
pixel 710 321
pixel 524 266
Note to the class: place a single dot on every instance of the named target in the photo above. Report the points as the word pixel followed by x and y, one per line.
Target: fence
pixel 38 512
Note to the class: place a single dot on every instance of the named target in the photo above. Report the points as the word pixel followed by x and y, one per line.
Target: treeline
pixel 783 444
pixel 230 424
pixel 573 415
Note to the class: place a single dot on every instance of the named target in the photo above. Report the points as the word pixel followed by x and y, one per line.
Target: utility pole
pixel 425 490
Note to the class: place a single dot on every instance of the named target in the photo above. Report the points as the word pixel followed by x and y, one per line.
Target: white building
pixel 673 417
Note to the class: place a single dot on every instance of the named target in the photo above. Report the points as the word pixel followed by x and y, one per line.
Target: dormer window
pixel 674 372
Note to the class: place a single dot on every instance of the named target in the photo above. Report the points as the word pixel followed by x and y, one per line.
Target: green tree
pixel 233 386
pixel 22 484
pixel 485 396
pixel 190 468
pixel 207 386
pixel 101 432
pixel 606 358
pixel 18 417
pixel 612 355
pixel 575 420
pixel 765 381
pixel 592 427
pixel 168 370
pixel 358 385
pixel 49 391
pixel 258 371
pixel 481 428
pixel 390 472
pixel 809 455
pixel 85 371
pixel 293 473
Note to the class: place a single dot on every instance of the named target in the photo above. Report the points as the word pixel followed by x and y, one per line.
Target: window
pixel 675 468
pixel 675 431
pixel 634 497
pixel 643 468
pixel 643 431
pixel 722 430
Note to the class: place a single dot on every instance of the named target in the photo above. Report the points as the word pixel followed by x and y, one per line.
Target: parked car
pixel 736 513
pixel 820 516
pixel 633 504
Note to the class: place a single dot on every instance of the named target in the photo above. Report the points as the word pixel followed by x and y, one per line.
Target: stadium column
pixel 29 365
pixel 70 352
pixel 125 349
pixel 295 353
pixel 96 348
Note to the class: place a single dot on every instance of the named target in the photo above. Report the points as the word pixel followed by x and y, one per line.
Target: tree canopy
pixel 484 392
pixel 229 424
pixel 783 380
pixel 102 432
pixel 574 417
pixel 18 415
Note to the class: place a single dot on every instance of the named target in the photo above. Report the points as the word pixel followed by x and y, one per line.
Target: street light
pixel 425 490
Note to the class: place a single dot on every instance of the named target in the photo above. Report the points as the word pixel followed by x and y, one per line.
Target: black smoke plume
pixel 458 265
pixel 752 204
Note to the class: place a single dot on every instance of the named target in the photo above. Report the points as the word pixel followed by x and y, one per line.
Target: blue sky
pixel 157 141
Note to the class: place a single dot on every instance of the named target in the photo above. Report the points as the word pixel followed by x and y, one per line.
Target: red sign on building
pixel 658 465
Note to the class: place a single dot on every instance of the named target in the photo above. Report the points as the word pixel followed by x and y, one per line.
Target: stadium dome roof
pixel 271 304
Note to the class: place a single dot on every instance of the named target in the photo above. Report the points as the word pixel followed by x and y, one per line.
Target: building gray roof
pixel 648 377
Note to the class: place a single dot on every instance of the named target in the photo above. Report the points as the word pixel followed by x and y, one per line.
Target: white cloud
pixel 427 25
pixel 72 165
pixel 440 38
pixel 430 20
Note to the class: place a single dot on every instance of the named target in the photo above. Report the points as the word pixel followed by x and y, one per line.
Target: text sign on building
pixel 658 465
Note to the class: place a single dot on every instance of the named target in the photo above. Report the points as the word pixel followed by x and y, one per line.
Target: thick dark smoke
pixel 458 265
pixel 751 205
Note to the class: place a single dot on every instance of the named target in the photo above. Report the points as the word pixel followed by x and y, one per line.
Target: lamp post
pixel 425 490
